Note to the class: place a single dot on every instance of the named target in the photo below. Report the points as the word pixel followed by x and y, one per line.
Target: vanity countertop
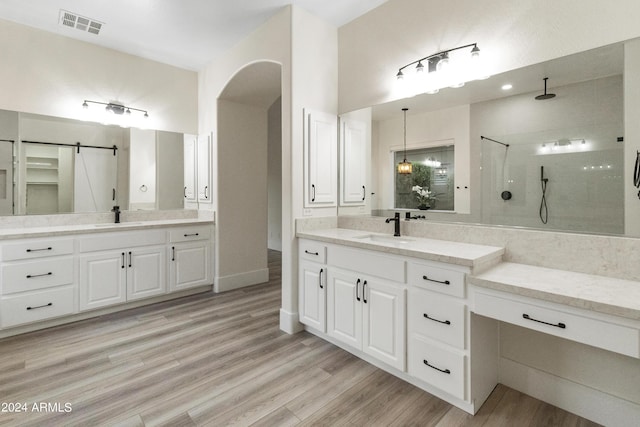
pixel 596 293
pixel 464 254
pixel 64 230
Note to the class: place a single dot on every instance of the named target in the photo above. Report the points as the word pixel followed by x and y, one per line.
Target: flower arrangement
pixel 423 195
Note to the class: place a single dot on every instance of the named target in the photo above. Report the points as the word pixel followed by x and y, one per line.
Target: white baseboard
pixel 241 280
pixel 576 398
pixel 289 322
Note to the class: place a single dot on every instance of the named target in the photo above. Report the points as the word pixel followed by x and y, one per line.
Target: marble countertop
pixel 64 230
pixel 464 254
pixel 595 293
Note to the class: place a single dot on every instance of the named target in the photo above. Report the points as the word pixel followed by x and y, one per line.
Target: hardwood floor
pixel 220 360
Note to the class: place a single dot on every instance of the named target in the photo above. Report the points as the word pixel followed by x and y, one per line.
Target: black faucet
pixel 396 219
pixel 408 216
pixel 116 210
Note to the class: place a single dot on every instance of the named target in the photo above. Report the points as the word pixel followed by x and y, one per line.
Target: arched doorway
pixel 249 213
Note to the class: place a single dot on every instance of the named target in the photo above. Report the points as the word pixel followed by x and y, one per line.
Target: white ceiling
pixel 184 33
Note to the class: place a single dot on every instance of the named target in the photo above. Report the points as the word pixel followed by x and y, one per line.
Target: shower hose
pixel 544 211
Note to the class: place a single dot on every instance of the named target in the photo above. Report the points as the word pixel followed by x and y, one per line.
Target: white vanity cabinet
pixel 120 267
pixel 366 300
pixel 437 326
pixel 37 280
pixel 189 257
pixel 190 168
pixel 312 284
pixel 204 178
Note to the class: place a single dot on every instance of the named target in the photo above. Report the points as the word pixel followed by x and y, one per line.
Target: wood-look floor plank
pixel 220 359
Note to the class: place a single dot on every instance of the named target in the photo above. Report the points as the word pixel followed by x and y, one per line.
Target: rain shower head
pixel 545 95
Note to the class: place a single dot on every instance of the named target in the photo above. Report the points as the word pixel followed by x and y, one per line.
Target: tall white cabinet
pixel 320 159
pixel 197 169
pixel 353 162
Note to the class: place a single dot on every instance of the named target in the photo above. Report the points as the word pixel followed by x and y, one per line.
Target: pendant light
pixel 405 167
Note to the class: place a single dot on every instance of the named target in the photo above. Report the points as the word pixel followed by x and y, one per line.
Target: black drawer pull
pixel 311 253
pixel 357 286
pixel 313 189
pixel 38 250
pixel 446 282
pixel 446 322
pixel 557 325
pixel 31 276
pixel 40 306
pixel 444 371
pixel 320 278
pixel 173 253
pixel 193 234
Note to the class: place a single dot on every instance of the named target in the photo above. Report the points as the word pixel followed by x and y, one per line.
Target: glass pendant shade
pixel 405 167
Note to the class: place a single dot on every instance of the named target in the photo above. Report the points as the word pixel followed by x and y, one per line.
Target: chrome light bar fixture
pixel 115 108
pixel 448 68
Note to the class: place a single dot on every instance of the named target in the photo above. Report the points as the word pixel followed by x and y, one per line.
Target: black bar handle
pixel 364 192
pixel 185 192
pixel 320 278
pixel 313 190
pixel 557 325
pixel 206 191
pixel 41 249
pixel 40 306
pixel 357 286
pixel 113 194
pixel 444 371
pixel 31 276
pixel 129 259
pixel 445 322
pixel 364 294
pixel 173 253
pixel 192 234
pixel 445 282
pixel 311 253
pixel 122 260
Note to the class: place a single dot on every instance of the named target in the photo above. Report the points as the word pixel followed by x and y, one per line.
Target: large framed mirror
pixel 51 165
pixel 521 159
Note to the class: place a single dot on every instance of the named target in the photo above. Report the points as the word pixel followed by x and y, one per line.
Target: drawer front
pixel 36 306
pixel 368 263
pixel 312 251
pixel 106 241
pixel 189 234
pixel 437 366
pixel 547 319
pixel 437 316
pixel 432 278
pixel 33 275
pixel 29 249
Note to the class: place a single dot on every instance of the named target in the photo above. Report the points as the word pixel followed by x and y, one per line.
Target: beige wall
pixel 510 34
pixel 48 74
pixel 274 176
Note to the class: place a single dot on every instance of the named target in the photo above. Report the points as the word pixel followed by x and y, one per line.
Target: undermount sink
pixel 384 239
pixel 119 224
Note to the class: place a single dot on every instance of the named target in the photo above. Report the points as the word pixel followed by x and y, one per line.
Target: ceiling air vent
pixel 82 23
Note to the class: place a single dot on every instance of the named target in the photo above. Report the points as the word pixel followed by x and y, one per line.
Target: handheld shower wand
pixel 544 210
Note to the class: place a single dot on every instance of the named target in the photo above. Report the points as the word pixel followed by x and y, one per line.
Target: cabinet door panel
pixel 204 168
pixel 189 265
pixel 383 329
pixel 353 143
pixel 321 152
pixel 312 295
pixel 146 273
pixel 102 280
pixel 344 311
pixel 190 168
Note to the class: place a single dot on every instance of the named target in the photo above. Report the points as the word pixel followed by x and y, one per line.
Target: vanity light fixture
pixel 405 167
pixel 115 108
pixel 442 69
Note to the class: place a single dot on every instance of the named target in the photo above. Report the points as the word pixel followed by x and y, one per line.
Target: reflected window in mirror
pixel 431 183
